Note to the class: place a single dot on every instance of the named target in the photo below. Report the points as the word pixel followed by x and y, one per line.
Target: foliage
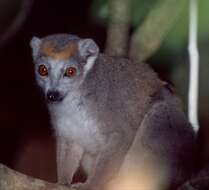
pixel 177 36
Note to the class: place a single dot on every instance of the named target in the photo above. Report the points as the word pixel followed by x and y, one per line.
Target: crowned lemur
pixel 112 117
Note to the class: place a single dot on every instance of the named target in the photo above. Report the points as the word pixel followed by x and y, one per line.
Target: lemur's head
pixel 61 63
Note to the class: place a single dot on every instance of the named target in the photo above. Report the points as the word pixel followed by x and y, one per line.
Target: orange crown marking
pixel 48 49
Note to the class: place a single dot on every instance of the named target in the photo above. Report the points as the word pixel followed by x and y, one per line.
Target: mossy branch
pixel 13 180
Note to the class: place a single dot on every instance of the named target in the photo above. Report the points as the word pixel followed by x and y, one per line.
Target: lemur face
pixel 61 63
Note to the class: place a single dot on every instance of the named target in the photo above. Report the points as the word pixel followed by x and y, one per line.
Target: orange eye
pixel 70 72
pixel 42 70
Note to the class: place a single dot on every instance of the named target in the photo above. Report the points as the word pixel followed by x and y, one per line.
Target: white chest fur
pixel 72 121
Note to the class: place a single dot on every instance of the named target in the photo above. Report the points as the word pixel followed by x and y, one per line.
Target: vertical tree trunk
pixel 118 28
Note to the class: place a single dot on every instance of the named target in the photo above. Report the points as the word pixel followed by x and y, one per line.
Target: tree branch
pixel 148 37
pixel 17 22
pixel 12 180
pixel 194 66
pixel 200 181
pixel 118 28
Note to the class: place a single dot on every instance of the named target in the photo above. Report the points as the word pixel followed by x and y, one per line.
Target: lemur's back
pixel 132 90
pixel 126 89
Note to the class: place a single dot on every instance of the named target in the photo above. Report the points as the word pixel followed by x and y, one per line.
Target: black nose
pixel 54 96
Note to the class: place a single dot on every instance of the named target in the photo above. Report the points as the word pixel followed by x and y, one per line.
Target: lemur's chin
pixel 54 102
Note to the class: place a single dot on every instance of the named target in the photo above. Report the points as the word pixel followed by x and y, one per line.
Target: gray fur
pixel 112 107
pixel 35 45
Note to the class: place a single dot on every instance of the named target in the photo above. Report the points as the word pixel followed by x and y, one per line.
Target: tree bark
pixel 118 27
pixel 198 182
pixel 12 180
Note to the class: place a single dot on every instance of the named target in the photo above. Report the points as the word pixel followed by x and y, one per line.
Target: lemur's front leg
pixel 69 156
pixel 106 165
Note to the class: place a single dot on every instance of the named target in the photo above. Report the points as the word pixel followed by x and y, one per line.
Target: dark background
pixel 26 139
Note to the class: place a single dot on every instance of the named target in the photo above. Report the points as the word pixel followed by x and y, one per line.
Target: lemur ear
pixel 35 45
pixel 89 50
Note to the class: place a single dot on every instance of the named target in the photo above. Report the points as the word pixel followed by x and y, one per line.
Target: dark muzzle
pixel 54 96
